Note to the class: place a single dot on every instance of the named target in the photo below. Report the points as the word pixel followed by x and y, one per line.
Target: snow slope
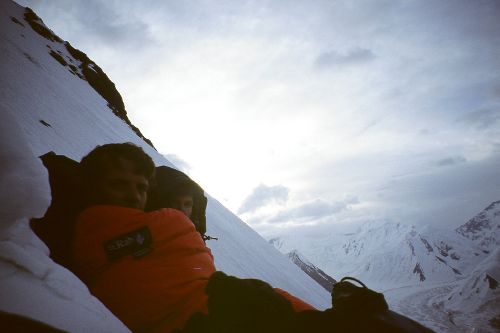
pixel 477 298
pixel 46 105
pixel 467 305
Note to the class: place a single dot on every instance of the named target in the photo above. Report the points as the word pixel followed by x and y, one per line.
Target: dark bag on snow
pixel 360 309
pixel 55 229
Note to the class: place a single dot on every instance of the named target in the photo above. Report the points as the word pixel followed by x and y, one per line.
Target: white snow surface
pixel 35 87
pixel 36 287
pixel 477 296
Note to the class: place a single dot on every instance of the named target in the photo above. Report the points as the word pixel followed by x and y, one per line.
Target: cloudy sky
pixel 309 113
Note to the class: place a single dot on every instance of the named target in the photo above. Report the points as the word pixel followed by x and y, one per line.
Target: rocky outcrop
pixel 484 228
pixel 81 66
pixel 324 280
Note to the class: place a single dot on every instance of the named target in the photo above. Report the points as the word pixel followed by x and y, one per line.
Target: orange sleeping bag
pixel 149 269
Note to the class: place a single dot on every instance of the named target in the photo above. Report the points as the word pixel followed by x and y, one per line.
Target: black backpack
pixel 360 309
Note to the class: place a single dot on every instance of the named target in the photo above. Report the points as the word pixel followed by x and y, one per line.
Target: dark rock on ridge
pixel 90 72
pixel 323 279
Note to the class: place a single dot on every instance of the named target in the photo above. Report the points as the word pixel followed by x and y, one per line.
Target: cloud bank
pixel 263 195
pixel 314 210
pixel 352 57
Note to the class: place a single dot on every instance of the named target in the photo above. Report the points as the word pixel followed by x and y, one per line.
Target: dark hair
pixel 101 158
pixel 170 183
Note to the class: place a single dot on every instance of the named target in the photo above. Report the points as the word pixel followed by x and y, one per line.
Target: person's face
pixel 184 203
pixel 121 186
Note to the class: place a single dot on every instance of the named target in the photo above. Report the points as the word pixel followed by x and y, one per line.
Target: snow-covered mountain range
pixel 484 228
pixel 454 273
pixel 54 98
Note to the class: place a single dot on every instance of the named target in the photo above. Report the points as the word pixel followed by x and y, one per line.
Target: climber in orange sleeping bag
pixel 149 274
pixel 150 269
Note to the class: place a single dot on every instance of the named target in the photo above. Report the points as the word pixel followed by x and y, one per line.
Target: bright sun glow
pixel 325 100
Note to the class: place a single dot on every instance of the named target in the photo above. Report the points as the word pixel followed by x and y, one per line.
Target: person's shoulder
pixel 108 221
pixel 171 216
pixel 169 213
pixel 107 214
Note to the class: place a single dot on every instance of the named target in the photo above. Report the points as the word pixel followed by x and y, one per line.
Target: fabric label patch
pixel 136 243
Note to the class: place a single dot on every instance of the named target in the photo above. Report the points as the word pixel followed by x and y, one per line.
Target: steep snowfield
pixel 477 296
pixel 467 305
pixel 46 106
